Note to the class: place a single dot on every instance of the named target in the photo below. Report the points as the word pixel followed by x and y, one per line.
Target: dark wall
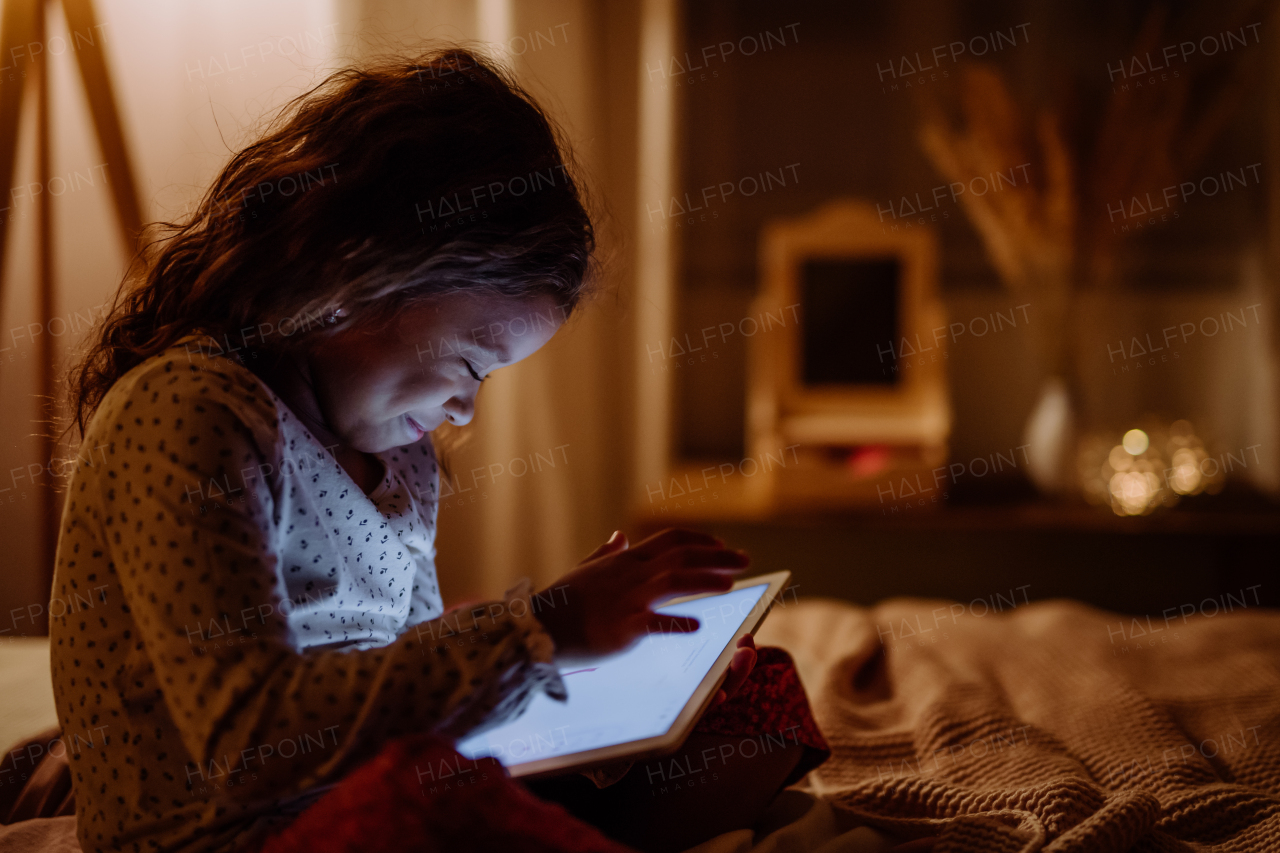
pixel 819 108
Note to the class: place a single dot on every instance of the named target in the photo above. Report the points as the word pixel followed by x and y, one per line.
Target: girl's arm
pixel 173 572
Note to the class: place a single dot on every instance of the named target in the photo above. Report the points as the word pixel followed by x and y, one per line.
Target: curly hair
pixel 382 186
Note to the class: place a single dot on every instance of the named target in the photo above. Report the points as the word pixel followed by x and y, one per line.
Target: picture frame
pixel 856 390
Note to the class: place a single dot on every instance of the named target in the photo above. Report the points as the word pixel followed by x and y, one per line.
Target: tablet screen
pixel 630 696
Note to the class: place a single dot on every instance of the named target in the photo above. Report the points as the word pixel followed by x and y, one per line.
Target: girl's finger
pixel 744 661
pixel 739 670
pixel 660 543
pixel 617 542
pixel 702 557
pixel 668 584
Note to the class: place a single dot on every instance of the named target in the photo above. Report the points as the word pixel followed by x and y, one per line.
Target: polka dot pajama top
pixel 257 625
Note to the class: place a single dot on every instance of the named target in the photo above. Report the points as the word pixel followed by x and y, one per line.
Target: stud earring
pixel 333 316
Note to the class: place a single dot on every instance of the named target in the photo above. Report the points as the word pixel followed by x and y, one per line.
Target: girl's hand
pixel 744 660
pixel 606 604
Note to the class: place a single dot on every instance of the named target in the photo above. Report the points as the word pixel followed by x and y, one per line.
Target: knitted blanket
pixel 1047 726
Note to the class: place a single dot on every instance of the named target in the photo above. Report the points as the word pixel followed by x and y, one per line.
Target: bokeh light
pixel 1135 441
pixel 1150 467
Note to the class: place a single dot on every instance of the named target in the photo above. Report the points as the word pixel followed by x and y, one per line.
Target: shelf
pixel 697 503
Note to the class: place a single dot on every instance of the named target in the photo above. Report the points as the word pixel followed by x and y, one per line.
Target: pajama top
pixel 245 624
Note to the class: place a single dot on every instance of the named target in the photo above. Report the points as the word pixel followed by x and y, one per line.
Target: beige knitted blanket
pixel 1047 726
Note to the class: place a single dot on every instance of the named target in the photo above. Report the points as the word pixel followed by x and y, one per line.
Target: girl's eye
pixel 477 377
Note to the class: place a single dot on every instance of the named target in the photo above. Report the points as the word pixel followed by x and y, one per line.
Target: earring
pixel 333 316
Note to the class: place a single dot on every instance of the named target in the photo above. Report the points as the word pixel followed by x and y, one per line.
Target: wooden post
pixel 23 23
pixel 50 505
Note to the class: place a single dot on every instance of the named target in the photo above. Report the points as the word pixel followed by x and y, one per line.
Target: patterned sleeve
pixel 497 700
pixel 168 564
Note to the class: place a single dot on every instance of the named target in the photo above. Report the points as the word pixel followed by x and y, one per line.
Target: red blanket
pixel 420 795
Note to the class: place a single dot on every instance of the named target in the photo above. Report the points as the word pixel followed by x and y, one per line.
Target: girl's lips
pixel 415 429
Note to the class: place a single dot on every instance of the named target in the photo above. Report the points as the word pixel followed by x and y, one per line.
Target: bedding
pixel 1051 726
pixel 41 835
pixel 26 690
pixel 795 822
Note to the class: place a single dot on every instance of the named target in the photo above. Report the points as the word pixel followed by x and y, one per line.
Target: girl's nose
pixel 459 410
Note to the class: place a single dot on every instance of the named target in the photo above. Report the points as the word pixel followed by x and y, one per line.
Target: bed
pixel 1053 726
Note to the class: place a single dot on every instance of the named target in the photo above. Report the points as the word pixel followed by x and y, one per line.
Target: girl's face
pixel 386 389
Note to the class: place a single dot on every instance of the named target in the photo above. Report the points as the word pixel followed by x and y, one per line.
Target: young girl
pixel 262 511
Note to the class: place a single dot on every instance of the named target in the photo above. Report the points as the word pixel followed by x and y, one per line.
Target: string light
pixel 1149 468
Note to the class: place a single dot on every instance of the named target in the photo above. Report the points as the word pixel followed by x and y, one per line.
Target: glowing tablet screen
pixel 626 697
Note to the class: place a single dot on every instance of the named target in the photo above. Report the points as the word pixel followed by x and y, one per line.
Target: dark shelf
pixel 1202 549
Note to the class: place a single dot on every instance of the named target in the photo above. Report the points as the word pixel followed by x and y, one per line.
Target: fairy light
pixel 1185 475
pixel 1149 468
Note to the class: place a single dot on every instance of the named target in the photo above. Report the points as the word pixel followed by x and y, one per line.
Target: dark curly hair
pixel 382 186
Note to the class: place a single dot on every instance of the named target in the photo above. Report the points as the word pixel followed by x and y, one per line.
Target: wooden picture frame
pixel 813 410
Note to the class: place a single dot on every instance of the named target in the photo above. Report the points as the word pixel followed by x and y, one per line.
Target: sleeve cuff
pixel 526 667
pixel 543 673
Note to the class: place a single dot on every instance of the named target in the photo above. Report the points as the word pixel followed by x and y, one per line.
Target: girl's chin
pixel 391 434
pixel 380 439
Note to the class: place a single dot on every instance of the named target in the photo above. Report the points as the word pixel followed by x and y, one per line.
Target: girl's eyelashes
pixel 477 377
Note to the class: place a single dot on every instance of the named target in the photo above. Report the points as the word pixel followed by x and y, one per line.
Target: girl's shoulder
pixel 190 379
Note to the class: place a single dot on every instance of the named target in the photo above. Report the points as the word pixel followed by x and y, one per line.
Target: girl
pixel 263 510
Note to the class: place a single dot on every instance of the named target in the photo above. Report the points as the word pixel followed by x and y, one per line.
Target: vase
pixel 1051 430
pixel 1049 437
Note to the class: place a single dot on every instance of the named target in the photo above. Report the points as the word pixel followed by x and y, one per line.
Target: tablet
pixel 638 703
